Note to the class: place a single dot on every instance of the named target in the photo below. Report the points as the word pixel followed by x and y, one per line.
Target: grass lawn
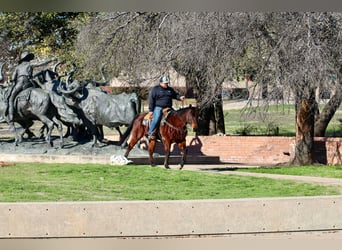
pixel 89 182
pixel 319 171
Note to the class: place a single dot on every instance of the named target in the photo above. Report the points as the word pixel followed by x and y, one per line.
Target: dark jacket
pixel 161 97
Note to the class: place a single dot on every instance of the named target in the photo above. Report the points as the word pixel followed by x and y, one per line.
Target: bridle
pixel 183 128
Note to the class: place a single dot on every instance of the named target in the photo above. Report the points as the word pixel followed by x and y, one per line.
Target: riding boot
pixel 153 136
pixel 10 112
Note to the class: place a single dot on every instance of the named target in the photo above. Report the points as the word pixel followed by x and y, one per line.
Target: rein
pixel 170 125
pixel 164 121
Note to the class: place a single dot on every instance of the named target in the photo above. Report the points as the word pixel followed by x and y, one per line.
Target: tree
pixel 45 33
pixel 296 52
pixel 302 53
pixel 201 46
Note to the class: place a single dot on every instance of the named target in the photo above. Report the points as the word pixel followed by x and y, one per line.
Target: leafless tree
pixel 201 46
pixel 297 53
pixel 302 54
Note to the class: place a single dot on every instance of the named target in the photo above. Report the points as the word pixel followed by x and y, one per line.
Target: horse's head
pixel 192 115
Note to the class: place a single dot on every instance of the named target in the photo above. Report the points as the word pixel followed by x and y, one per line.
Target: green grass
pixel 278 120
pixel 318 171
pixel 90 182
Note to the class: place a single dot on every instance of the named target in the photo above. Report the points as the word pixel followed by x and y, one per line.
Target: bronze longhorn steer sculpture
pixel 98 108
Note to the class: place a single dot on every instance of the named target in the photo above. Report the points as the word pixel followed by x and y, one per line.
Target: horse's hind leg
pixel 60 130
pixel 182 147
pixel 26 125
pixel 49 124
pixel 134 138
pixel 29 133
pixel 41 131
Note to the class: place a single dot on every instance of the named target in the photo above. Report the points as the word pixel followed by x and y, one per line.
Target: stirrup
pixel 151 137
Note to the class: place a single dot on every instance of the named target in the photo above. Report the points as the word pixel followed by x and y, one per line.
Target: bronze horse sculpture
pixel 172 129
pixel 37 104
pixel 32 104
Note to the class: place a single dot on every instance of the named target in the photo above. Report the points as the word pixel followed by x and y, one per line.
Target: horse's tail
pixel 125 136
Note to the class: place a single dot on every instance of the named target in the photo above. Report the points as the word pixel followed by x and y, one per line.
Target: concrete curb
pixel 102 159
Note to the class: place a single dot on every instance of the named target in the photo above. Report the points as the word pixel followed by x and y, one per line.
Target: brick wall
pixel 261 150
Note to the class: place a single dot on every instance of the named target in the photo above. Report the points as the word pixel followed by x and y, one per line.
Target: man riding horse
pixel 159 98
pixel 22 79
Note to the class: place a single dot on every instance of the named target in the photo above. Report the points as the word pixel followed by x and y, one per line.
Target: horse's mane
pixel 183 110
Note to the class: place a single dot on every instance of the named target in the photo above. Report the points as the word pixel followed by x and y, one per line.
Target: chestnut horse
pixel 172 129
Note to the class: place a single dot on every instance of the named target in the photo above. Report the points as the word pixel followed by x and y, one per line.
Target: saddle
pixel 20 97
pixel 148 118
pixel 24 96
pixel 166 114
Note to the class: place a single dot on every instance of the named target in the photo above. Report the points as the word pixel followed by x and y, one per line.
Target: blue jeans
pixel 157 114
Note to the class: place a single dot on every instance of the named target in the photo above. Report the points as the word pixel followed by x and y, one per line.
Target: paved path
pixel 305 235
pixel 234 170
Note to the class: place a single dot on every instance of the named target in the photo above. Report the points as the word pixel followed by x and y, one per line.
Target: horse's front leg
pixel 167 146
pixel 19 135
pixel 182 147
pixel 151 147
pixel 17 138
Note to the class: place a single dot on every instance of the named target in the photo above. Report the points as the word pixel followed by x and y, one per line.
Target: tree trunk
pixel 211 120
pixel 204 118
pixel 211 117
pixel 220 127
pixel 264 90
pixel 304 133
pixel 328 112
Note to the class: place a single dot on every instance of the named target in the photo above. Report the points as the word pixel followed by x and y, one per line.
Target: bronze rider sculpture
pixel 22 78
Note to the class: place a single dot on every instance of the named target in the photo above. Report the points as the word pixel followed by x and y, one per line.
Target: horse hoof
pixel 167 167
